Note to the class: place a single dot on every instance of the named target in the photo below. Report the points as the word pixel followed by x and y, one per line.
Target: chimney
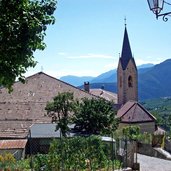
pixel 87 87
pixel 103 87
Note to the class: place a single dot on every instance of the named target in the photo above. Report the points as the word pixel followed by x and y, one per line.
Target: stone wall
pixel 126 152
pixel 125 91
pixel 168 145
pixel 147 149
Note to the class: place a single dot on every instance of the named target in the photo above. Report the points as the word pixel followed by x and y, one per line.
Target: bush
pixel 23 165
pixel 7 161
pixel 78 153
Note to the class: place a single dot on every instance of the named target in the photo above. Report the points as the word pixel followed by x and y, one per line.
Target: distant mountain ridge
pixel 75 80
pixel 154 81
pixel 107 77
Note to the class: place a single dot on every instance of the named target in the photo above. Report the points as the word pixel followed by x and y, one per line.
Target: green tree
pixel 60 109
pixel 160 120
pixel 22 29
pixel 95 116
pixel 169 124
pixel 131 132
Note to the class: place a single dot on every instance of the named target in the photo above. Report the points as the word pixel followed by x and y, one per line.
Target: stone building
pixel 133 113
pixel 25 105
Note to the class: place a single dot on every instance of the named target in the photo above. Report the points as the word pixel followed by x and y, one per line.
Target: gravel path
pixel 153 164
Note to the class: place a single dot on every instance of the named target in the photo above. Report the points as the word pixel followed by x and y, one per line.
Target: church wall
pixel 125 91
pixel 144 127
pixel 131 90
pixel 120 84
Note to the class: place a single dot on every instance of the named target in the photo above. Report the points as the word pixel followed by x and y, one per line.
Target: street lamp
pixel 157 6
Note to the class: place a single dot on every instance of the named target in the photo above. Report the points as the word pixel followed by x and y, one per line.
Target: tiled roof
pixel 44 130
pixel 49 131
pixel 26 104
pixel 104 94
pixel 133 112
pixel 13 144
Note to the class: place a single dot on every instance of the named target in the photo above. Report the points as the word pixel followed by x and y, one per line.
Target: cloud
pixel 145 61
pixel 111 66
pixel 62 53
pixel 88 56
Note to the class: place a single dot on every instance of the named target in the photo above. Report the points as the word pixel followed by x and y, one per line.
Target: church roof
pixel 134 112
pixel 126 55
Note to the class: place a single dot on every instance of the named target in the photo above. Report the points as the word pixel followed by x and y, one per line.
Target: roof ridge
pixel 128 108
pixel 151 116
pixel 41 72
pixel 133 103
pixel 62 82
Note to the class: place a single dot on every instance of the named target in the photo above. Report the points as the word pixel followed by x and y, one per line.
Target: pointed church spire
pixel 127 77
pixel 126 54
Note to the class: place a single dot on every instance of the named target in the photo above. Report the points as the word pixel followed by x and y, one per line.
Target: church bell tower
pixel 127 78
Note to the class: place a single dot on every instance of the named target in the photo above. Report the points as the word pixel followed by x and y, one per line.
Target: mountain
pixel 153 80
pixel 75 80
pixel 156 82
pixel 144 68
pixel 111 76
pixel 148 65
pixel 106 77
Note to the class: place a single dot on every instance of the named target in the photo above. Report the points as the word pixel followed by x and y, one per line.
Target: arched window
pixel 130 82
pixel 120 81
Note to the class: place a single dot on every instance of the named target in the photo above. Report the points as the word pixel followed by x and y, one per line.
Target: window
pixel 120 81
pixel 130 82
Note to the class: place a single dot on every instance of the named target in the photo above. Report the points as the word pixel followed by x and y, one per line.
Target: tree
pixel 131 132
pixel 95 116
pixel 60 110
pixel 22 29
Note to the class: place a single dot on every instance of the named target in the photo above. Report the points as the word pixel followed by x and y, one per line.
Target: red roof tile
pixel 13 144
pixel 104 94
pixel 133 112
pixel 25 105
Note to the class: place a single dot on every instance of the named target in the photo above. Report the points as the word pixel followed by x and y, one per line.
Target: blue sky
pixel 87 37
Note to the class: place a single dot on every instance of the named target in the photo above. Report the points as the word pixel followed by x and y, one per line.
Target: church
pixel 131 112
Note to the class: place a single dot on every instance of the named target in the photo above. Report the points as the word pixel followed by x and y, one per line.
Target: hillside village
pixel 25 122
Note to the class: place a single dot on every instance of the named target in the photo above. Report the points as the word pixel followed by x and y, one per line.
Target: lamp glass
pixel 156 5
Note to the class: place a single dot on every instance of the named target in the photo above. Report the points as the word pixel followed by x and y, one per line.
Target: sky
pixel 87 37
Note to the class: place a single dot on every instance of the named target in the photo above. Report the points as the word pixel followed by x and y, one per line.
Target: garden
pixel 67 154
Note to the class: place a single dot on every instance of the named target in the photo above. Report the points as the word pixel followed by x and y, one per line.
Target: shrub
pixel 78 153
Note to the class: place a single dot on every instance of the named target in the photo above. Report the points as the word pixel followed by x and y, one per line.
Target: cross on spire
pixel 125 21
